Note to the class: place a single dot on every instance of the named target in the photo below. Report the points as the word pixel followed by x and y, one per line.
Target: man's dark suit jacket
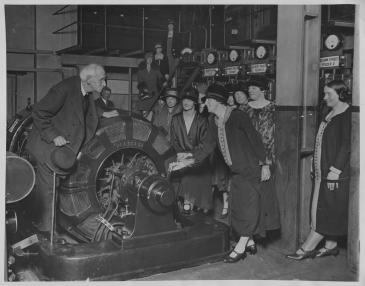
pixel 60 113
pixel 102 107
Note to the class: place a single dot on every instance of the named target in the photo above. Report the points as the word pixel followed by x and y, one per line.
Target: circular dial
pixel 261 52
pixel 233 55
pixel 332 42
pixel 211 58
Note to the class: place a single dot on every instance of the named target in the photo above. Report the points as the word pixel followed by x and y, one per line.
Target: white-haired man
pixel 65 118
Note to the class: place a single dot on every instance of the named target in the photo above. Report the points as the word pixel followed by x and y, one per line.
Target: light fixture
pixel 186 50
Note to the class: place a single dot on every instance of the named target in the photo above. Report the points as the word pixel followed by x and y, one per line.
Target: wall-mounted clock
pixel 261 52
pixel 332 42
pixel 233 56
pixel 211 58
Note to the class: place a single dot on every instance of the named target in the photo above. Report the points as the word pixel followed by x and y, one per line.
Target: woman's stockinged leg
pixel 240 246
pixel 330 244
pixel 311 242
pixel 250 242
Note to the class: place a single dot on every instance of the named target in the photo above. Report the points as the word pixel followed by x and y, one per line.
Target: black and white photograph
pixel 182 142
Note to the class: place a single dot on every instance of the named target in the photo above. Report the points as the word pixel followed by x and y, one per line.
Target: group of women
pixel 224 137
pixel 241 126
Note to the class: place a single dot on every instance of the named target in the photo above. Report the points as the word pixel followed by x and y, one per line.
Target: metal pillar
pixel 298 47
pixel 353 242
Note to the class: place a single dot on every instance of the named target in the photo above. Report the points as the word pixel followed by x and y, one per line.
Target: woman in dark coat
pixel 331 160
pixel 188 130
pixel 243 152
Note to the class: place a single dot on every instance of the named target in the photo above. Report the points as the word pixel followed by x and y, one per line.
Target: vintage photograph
pixel 174 142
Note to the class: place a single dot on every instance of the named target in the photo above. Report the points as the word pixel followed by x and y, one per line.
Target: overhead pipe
pixel 210 27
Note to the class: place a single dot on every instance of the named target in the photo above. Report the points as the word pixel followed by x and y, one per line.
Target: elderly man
pixel 63 120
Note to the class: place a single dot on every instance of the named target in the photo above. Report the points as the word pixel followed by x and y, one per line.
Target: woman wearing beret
pixel 331 164
pixel 243 152
pixel 188 130
pixel 261 111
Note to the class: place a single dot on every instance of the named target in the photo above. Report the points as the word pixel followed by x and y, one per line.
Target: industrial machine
pixel 115 213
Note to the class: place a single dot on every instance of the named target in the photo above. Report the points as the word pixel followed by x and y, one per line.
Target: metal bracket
pixel 61 10
pixel 310 16
pixel 65 27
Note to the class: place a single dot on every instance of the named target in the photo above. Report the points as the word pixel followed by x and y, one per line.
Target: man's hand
pixel 265 173
pixel 110 114
pixel 182 156
pixel 332 177
pixel 60 141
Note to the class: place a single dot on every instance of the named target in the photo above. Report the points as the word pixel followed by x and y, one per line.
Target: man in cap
pixel 162 61
pixel 63 121
pixel 150 81
pixel 172 107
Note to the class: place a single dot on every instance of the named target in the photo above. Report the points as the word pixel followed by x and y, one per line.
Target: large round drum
pixel 20 178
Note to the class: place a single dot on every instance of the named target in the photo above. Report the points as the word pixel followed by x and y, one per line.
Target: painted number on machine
pixel 328 62
pixel 231 70
pixel 210 72
pixel 258 68
pixel 129 144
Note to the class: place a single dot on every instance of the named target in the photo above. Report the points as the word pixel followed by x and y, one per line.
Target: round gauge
pixel 332 42
pixel 261 52
pixel 211 58
pixel 233 55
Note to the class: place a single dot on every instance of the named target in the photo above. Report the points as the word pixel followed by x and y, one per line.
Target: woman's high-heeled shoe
pixel 328 252
pixel 252 249
pixel 304 255
pixel 238 257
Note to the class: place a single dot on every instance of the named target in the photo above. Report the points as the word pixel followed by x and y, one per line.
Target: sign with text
pixel 233 70
pixel 329 62
pixel 210 72
pixel 258 68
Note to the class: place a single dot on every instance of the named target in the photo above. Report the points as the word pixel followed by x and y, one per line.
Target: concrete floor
pixel 267 264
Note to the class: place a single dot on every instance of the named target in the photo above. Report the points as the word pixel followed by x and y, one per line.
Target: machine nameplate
pixel 258 68
pixel 210 72
pixel 231 70
pixel 129 144
pixel 328 62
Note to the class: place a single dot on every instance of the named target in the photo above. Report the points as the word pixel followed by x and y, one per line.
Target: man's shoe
pixel 328 252
pixel 304 255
